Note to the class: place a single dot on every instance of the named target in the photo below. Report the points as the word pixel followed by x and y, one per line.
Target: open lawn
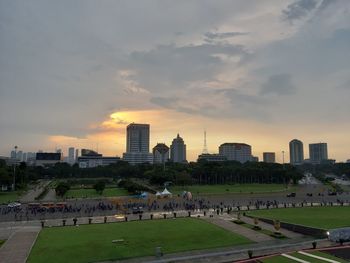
pixel 90 243
pixel 86 193
pixel 281 259
pixel 319 217
pixel 8 197
pixel 226 189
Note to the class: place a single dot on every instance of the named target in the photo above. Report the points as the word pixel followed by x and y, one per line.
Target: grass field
pixel 90 243
pixel 226 189
pixel 281 259
pixel 319 217
pixel 86 193
pixel 8 197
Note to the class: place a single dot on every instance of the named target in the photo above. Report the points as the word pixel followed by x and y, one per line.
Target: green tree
pixel 62 188
pixel 99 187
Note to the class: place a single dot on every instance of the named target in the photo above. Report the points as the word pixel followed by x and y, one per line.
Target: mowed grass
pixel 90 243
pixel 88 193
pixel 318 217
pixel 226 189
pixel 8 197
pixel 277 259
pixel 315 260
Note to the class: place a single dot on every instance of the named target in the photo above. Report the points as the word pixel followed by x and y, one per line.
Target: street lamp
pixel 14 169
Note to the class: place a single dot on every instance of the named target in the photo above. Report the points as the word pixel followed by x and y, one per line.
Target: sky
pixel 76 73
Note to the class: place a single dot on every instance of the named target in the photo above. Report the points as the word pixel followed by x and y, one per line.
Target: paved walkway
pixel 17 248
pixel 34 192
pixel 267 226
pixel 226 223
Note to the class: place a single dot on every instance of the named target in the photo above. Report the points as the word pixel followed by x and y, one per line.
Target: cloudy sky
pixel 75 73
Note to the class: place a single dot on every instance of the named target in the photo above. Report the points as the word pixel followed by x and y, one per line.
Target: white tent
pixel 158 194
pixel 166 192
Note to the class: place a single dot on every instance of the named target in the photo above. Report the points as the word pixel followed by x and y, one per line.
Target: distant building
pixel 318 152
pixel 160 153
pixel 13 155
pixel 19 156
pixel 240 152
pixel 92 159
pixel 137 144
pixel 296 152
pixel 71 159
pixel 269 157
pixel 211 157
pixel 255 159
pixel 47 159
pixel 178 150
pixel 76 155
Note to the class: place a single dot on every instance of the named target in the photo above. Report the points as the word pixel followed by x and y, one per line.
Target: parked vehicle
pixel 291 195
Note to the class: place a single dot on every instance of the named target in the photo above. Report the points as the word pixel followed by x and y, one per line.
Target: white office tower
pixel 137 144
pixel 71 159
pixel 296 152
pixel 160 153
pixel 240 152
pixel 178 150
pixel 318 152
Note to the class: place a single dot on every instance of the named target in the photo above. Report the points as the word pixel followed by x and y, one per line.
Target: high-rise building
pixel 178 150
pixel 269 157
pixel 240 152
pixel 137 144
pixel 318 152
pixel 71 159
pixel 137 138
pixel 160 153
pixel 296 152
pixel 76 155
pixel 13 155
pixel 19 156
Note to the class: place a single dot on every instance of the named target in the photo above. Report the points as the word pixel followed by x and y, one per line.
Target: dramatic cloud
pixel 76 72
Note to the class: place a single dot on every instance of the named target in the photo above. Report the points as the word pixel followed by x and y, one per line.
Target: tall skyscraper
pixel 318 152
pixel 296 152
pixel 71 159
pixel 76 155
pixel 160 153
pixel 240 152
pixel 269 157
pixel 137 144
pixel 178 150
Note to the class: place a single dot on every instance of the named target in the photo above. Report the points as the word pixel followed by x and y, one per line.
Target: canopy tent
pixel 166 192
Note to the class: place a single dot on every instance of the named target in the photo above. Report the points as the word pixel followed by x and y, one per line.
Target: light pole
pixel 282 157
pixel 14 170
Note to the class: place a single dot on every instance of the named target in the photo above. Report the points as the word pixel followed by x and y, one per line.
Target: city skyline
pixel 256 72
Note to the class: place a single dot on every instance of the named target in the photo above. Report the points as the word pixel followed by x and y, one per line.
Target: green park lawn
pixel 90 243
pixel 8 197
pixel 226 189
pixel 88 193
pixel 281 259
pixel 2 242
pixel 318 217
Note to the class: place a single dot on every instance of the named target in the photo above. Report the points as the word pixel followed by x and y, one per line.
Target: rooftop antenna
pixel 205 149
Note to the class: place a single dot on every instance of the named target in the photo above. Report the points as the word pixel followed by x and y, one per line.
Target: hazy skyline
pixel 75 73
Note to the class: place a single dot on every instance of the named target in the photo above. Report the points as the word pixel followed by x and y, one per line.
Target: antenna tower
pixel 205 149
